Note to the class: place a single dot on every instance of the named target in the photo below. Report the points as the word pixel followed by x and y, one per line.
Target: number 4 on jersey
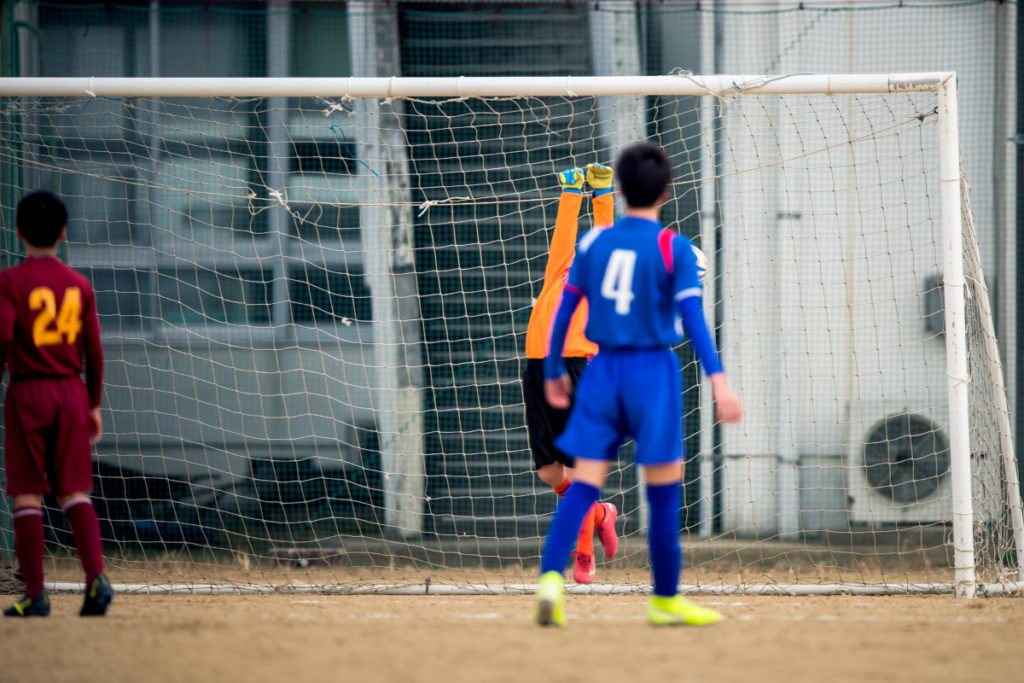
pixel 68 320
pixel 618 279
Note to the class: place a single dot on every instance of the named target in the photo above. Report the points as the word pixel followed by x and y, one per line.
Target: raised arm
pixel 599 177
pixel 563 241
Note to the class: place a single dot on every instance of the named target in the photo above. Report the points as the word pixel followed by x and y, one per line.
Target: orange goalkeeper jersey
pixel 560 257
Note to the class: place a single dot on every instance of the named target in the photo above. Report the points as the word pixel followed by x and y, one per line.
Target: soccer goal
pixel 314 295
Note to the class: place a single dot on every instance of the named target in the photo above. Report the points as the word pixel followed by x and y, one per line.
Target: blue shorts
pixel 628 393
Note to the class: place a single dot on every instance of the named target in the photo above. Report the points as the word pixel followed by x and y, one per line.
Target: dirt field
pixel 292 638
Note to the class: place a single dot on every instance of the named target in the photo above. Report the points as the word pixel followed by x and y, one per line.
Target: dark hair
pixel 40 218
pixel 644 172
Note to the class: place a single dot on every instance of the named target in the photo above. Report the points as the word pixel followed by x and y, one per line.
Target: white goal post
pixel 406 144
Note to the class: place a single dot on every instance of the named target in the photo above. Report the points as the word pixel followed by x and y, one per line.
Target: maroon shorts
pixel 46 436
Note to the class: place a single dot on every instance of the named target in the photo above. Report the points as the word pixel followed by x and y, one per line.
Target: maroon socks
pixel 85 525
pixel 28 546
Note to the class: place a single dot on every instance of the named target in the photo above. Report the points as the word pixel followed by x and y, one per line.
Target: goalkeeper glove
pixel 572 180
pixel 600 178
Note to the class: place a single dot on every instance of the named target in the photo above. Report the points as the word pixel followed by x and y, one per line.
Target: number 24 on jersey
pixel 53 326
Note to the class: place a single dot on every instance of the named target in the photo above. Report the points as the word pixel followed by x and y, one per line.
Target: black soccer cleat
pixel 39 606
pixel 98 596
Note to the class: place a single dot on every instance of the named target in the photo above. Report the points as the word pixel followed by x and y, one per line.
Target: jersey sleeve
pixel 554 366
pixel 685 276
pixel 572 294
pixel 604 209
pixel 687 292
pixel 92 349
pixel 578 275
pixel 563 241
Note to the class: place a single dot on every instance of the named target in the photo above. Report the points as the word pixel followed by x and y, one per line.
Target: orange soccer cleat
pixel 606 530
pixel 584 571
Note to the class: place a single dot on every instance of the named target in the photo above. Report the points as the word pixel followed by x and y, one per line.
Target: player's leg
pixel 29 547
pixel 666 607
pixel 663 499
pixel 602 515
pixel 593 429
pixel 585 566
pixel 656 422
pixel 554 467
pixel 585 491
pixel 25 425
pixel 551 465
pixel 601 521
pixel 584 569
pixel 605 515
pixel 555 475
pixel 85 526
pixel 74 469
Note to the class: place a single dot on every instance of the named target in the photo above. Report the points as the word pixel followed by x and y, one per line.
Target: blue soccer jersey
pixel 637 277
pixel 630 275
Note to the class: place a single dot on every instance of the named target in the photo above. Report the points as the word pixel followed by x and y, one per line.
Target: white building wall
pixel 808 358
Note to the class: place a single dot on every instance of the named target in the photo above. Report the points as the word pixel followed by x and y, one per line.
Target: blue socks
pixel 663 537
pixel 566 525
pixel 662 533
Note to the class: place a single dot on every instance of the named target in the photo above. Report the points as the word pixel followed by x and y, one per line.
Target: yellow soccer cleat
pixel 599 176
pixel 662 611
pixel 549 608
pixel 572 180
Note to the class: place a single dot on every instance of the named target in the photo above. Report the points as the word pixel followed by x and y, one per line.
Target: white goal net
pixel 314 296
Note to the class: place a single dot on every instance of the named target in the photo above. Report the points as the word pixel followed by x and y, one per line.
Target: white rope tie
pixel 425 206
pixel 279 197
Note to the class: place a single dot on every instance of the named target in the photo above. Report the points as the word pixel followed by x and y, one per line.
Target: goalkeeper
pixel 543 422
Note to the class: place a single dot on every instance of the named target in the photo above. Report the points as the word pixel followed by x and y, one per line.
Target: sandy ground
pixel 372 638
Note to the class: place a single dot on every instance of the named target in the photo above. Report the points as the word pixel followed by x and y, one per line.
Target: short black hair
pixel 644 172
pixel 40 218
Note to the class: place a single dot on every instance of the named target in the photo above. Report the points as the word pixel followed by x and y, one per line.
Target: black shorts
pixel 544 423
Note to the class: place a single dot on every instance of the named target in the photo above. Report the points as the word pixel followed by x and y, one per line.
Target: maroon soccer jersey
pixel 49 325
pixel 48 331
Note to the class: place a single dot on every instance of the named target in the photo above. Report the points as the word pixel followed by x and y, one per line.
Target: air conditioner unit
pixel 897 464
pixel 897 467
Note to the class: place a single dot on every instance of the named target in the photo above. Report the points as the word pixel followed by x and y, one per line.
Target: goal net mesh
pixel 314 316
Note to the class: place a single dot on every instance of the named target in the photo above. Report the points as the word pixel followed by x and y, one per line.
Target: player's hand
pixel 571 179
pixel 558 391
pixel 727 404
pixel 95 425
pixel 599 176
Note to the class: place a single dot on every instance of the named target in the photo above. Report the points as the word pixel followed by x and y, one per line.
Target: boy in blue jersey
pixel 636 277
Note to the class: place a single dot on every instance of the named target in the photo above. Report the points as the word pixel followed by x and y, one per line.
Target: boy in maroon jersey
pixel 49 334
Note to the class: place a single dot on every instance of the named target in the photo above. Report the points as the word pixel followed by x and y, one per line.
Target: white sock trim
pixel 77 501
pixel 25 512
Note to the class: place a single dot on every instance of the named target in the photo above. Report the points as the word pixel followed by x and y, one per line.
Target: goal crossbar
pixel 559 86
